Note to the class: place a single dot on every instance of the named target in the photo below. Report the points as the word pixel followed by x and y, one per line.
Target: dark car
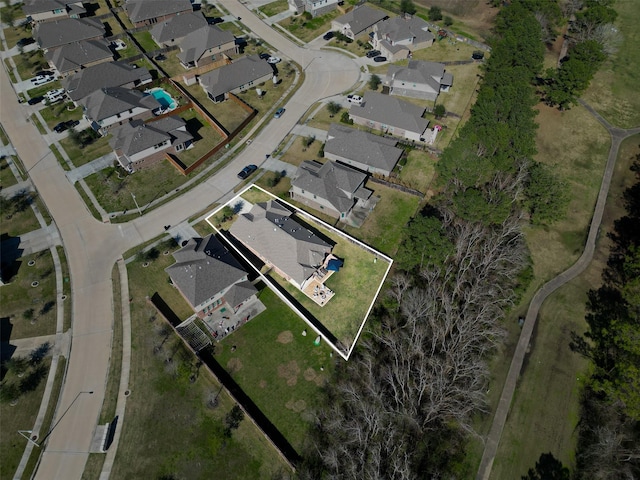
pixel 380 59
pixel 44 73
pixel 63 126
pixel 246 171
pixel 35 100
pixel 265 56
pixel 214 20
pixel 329 35
pixel 159 58
pixel 23 42
pixel 373 53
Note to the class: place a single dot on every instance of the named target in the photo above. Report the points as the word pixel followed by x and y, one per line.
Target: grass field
pixel 278 367
pixel 613 91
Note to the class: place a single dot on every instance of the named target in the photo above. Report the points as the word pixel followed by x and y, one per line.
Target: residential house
pixel 138 145
pixel 291 249
pixel 246 72
pixel 104 75
pixel 418 80
pixel 314 7
pixel 363 150
pixel 331 187
pixel 44 10
pixel 390 115
pixel 358 21
pixel 150 12
pixel 172 31
pixel 209 277
pixel 110 107
pixel 397 37
pixel 206 45
pixel 69 30
pixel 71 58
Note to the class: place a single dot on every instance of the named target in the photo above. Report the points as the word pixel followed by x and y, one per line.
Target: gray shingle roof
pixel 195 44
pixel 404 27
pixel 239 292
pixel 228 77
pixel 140 10
pixel 107 102
pixel 108 74
pixel 67 30
pixel 361 18
pixel 362 147
pixel 270 230
pixel 391 111
pixel 31 7
pixel 417 71
pixel 74 55
pixel 204 267
pixel 136 136
pixel 332 181
pixel 178 27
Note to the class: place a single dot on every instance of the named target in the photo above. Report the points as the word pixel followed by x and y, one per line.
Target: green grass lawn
pixel 30 62
pixel 17 219
pixel 42 89
pixel 146 41
pixel 18 296
pixel 112 26
pixel 419 171
pixel 80 156
pixel 613 91
pixel 273 8
pixel 298 152
pixel 204 135
pixel 278 367
pixel 60 112
pixel 7 178
pixel 307 30
pixel 13 34
pixel 188 443
pixel 394 208
pixel 231 27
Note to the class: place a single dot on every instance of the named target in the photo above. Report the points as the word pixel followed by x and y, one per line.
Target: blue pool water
pixel 164 98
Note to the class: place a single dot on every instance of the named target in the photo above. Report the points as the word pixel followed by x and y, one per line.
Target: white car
pixel 54 93
pixel 273 60
pixel 42 79
pixel 357 99
pixel 119 45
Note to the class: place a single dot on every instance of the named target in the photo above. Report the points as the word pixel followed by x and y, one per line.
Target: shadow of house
pixel 10 253
pixel 6 349
pixel 193 127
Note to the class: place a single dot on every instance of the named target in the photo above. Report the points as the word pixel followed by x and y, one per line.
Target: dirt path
pixel 493 439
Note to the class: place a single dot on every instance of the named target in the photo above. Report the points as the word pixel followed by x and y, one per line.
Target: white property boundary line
pixel 277 291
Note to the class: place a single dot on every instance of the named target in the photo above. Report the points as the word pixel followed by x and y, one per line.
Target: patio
pixel 223 321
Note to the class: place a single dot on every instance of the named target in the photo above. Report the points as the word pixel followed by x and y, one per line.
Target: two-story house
pixel 104 75
pixel 73 57
pixel 206 45
pixel 45 10
pixel 172 31
pixel 397 37
pixel 418 79
pixel 358 21
pixel 314 7
pixel 150 12
pixel 243 74
pixel 56 33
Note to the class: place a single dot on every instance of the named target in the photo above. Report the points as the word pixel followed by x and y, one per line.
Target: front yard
pixel 60 112
pixel 307 30
pixel 80 156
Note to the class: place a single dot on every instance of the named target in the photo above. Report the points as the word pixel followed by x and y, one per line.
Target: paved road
pixel 493 440
pixel 92 247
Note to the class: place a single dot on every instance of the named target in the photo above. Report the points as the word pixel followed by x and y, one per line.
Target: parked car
pixel 379 59
pixel 35 100
pixel 373 53
pixel 273 60
pixel 160 57
pixel 329 35
pixel 54 93
pixel 265 56
pixel 42 79
pixel 63 126
pixel 279 113
pixel 477 55
pixel 214 20
pixel 23 42
pixel 45 73
pixel 246 171
pixel 119 45
pixel 54 99
pixel 357 99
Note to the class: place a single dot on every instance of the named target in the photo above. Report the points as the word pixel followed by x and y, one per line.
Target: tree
pixel 547 197
pixel 548 468
pixel 425 244
pixel 333 108
pixel 435 14
pixel 407 6
pixel 448 21
pixel 76 137
pixel 28 314
pixel 439 111
pixel 374 82
pixel 232 420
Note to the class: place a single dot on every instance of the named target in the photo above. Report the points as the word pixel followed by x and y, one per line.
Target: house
pixel 363 150
pixel 397 37
pixel 314 7
pixel 209 277
pixel 391 116
pixel 418 80
pixel 172 31
pixel 138 145
pixel 358 21
pixel 150 12
pixel 244 73
pixel 331 187
pixel 110 107
pixel 291 249
pixel 104 75
pixel 206 45
pixel 44 10
pixel 71 58
pixel 69 30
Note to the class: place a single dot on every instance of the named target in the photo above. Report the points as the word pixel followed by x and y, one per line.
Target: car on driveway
pixel 357 99
pixel 246 171
pixel 35 100
pixel 373 53
pixel 265 56
pixel 54 93
pixel 160 57
pixel 279 112
pixel 42 79
pixel 63 126
pixel 273 60
pixel 329 35
pixel 380 59
pixel 44 73
pixel 23 42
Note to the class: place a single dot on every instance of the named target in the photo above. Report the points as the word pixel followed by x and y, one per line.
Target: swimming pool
pixel 163 98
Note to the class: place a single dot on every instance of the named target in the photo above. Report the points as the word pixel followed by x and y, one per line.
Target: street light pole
pixel 33 438
pixel 134 201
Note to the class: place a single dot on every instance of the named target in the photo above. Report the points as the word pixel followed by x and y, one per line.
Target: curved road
pixel 92 247
pixel 492 441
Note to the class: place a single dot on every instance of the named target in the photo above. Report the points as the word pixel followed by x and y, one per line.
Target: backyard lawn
pixel 205 137
pixel 419 170
pixel 146 41
pixel 279 368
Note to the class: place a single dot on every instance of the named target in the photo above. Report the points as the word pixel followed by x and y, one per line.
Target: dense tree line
pixel 609 433
pixel 401 408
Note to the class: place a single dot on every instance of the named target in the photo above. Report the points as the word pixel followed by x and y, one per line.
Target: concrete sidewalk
pixel 305 131
pixel 90 168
